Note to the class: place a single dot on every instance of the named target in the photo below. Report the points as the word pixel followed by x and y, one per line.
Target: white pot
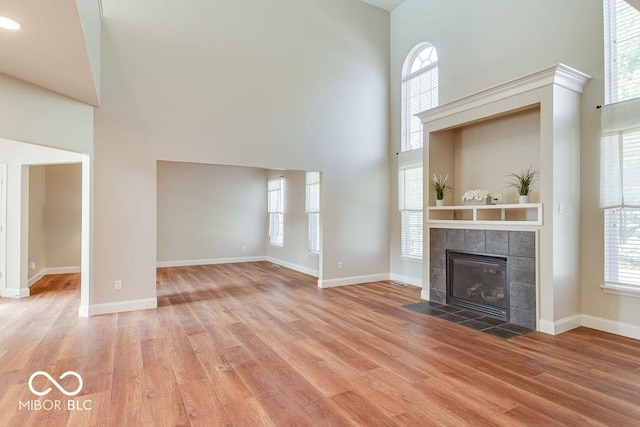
pixel 439 202
pixel 523 199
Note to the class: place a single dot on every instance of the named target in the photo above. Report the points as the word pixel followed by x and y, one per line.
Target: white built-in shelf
pixel 504 214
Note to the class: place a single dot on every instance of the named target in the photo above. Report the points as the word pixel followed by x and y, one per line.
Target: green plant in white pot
pixel 523 183
pixel 440 186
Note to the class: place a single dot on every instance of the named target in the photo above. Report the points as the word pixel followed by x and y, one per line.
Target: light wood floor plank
pixel 255 344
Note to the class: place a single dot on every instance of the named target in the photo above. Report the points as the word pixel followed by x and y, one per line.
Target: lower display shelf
pixel 506 214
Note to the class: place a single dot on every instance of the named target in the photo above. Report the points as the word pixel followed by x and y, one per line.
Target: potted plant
pixel 440 187
pixel 523 183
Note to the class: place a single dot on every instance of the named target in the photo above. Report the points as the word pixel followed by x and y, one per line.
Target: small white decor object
pixel 439 202
pixel 523 199
pixel 476 197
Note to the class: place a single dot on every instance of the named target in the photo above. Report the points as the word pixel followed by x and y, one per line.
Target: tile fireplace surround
pixel 518 246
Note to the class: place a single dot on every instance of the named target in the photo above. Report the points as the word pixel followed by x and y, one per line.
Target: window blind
pixel 312 208
pixel 420 85
pixel 275 207
pixel 622 246
pixel 410 205
pixel 622 50
pixel 620 155
pixel 275 202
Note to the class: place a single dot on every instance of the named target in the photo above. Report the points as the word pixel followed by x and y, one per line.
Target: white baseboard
pixel 117 307
pixel 424 294
pixel 292 266
pixel 406 280
pixel 598 323
pixel 611 326
pixel 560 326
pixel 355 280
pixel 52 270
pixel 16 293
pixel 209 261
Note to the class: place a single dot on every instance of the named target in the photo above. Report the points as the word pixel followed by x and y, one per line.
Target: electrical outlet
pixel 339 265
pixel 32 265
pixel 244 248
pixel 118 285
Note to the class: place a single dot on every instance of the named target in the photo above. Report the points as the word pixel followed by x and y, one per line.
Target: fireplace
pixel 478 282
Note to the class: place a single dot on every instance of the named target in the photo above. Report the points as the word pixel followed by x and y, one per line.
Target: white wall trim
pixel 292 266
pixel 16 293
pixel 355 280
pixel 208 261
pixel 611 326
pixel 559 326
pixel 52 270
pixel 406 280
pixel 598 323
pixel 117 307
pixel 424 294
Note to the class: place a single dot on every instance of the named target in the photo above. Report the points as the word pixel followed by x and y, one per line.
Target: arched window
pixel 420 92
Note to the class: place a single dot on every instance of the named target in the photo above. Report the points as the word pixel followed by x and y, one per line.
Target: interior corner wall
pixel 36 220
pixel 62 218
pixel 294 253
pixel 510 40
pixel 210 213
pixel 291 85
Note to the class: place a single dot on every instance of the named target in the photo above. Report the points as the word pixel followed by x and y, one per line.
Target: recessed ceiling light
pixel 8 23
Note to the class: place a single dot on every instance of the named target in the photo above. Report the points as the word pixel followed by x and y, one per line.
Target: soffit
pixel 49 50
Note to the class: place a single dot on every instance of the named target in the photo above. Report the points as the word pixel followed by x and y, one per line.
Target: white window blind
pixel 410 204
pixel 620 147
pixel 622 50
pixel 275 207
pixel 312 208
pixel 420 93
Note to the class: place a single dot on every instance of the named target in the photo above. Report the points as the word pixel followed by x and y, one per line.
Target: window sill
pixel 276 245
pixel 314 254
pixel 410 258
pixel 618 289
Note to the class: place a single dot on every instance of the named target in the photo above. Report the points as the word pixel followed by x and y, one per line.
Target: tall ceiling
pixel 49 50
pixel 53 48
pixel 385 4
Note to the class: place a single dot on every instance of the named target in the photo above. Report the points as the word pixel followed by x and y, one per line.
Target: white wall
pixel 294 253
pixel 481 44
pixel 297 84
pixel 209 212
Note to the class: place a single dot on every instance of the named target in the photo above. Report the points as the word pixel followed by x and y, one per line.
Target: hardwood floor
pixel 253 344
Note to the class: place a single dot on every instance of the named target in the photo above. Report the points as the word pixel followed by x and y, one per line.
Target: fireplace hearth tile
pixel 483 324
pixel 474 324
pixel 469 314
pixel 515 328
pixel 501 333
pixel 425 309
pixel 452 317
pixel 450 308
pixel 439 296
pixel 523 318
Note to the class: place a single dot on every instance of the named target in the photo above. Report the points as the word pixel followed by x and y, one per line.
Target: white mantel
pixel 553 95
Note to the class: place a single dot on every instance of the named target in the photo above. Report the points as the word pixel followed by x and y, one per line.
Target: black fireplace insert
pixel 478 282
